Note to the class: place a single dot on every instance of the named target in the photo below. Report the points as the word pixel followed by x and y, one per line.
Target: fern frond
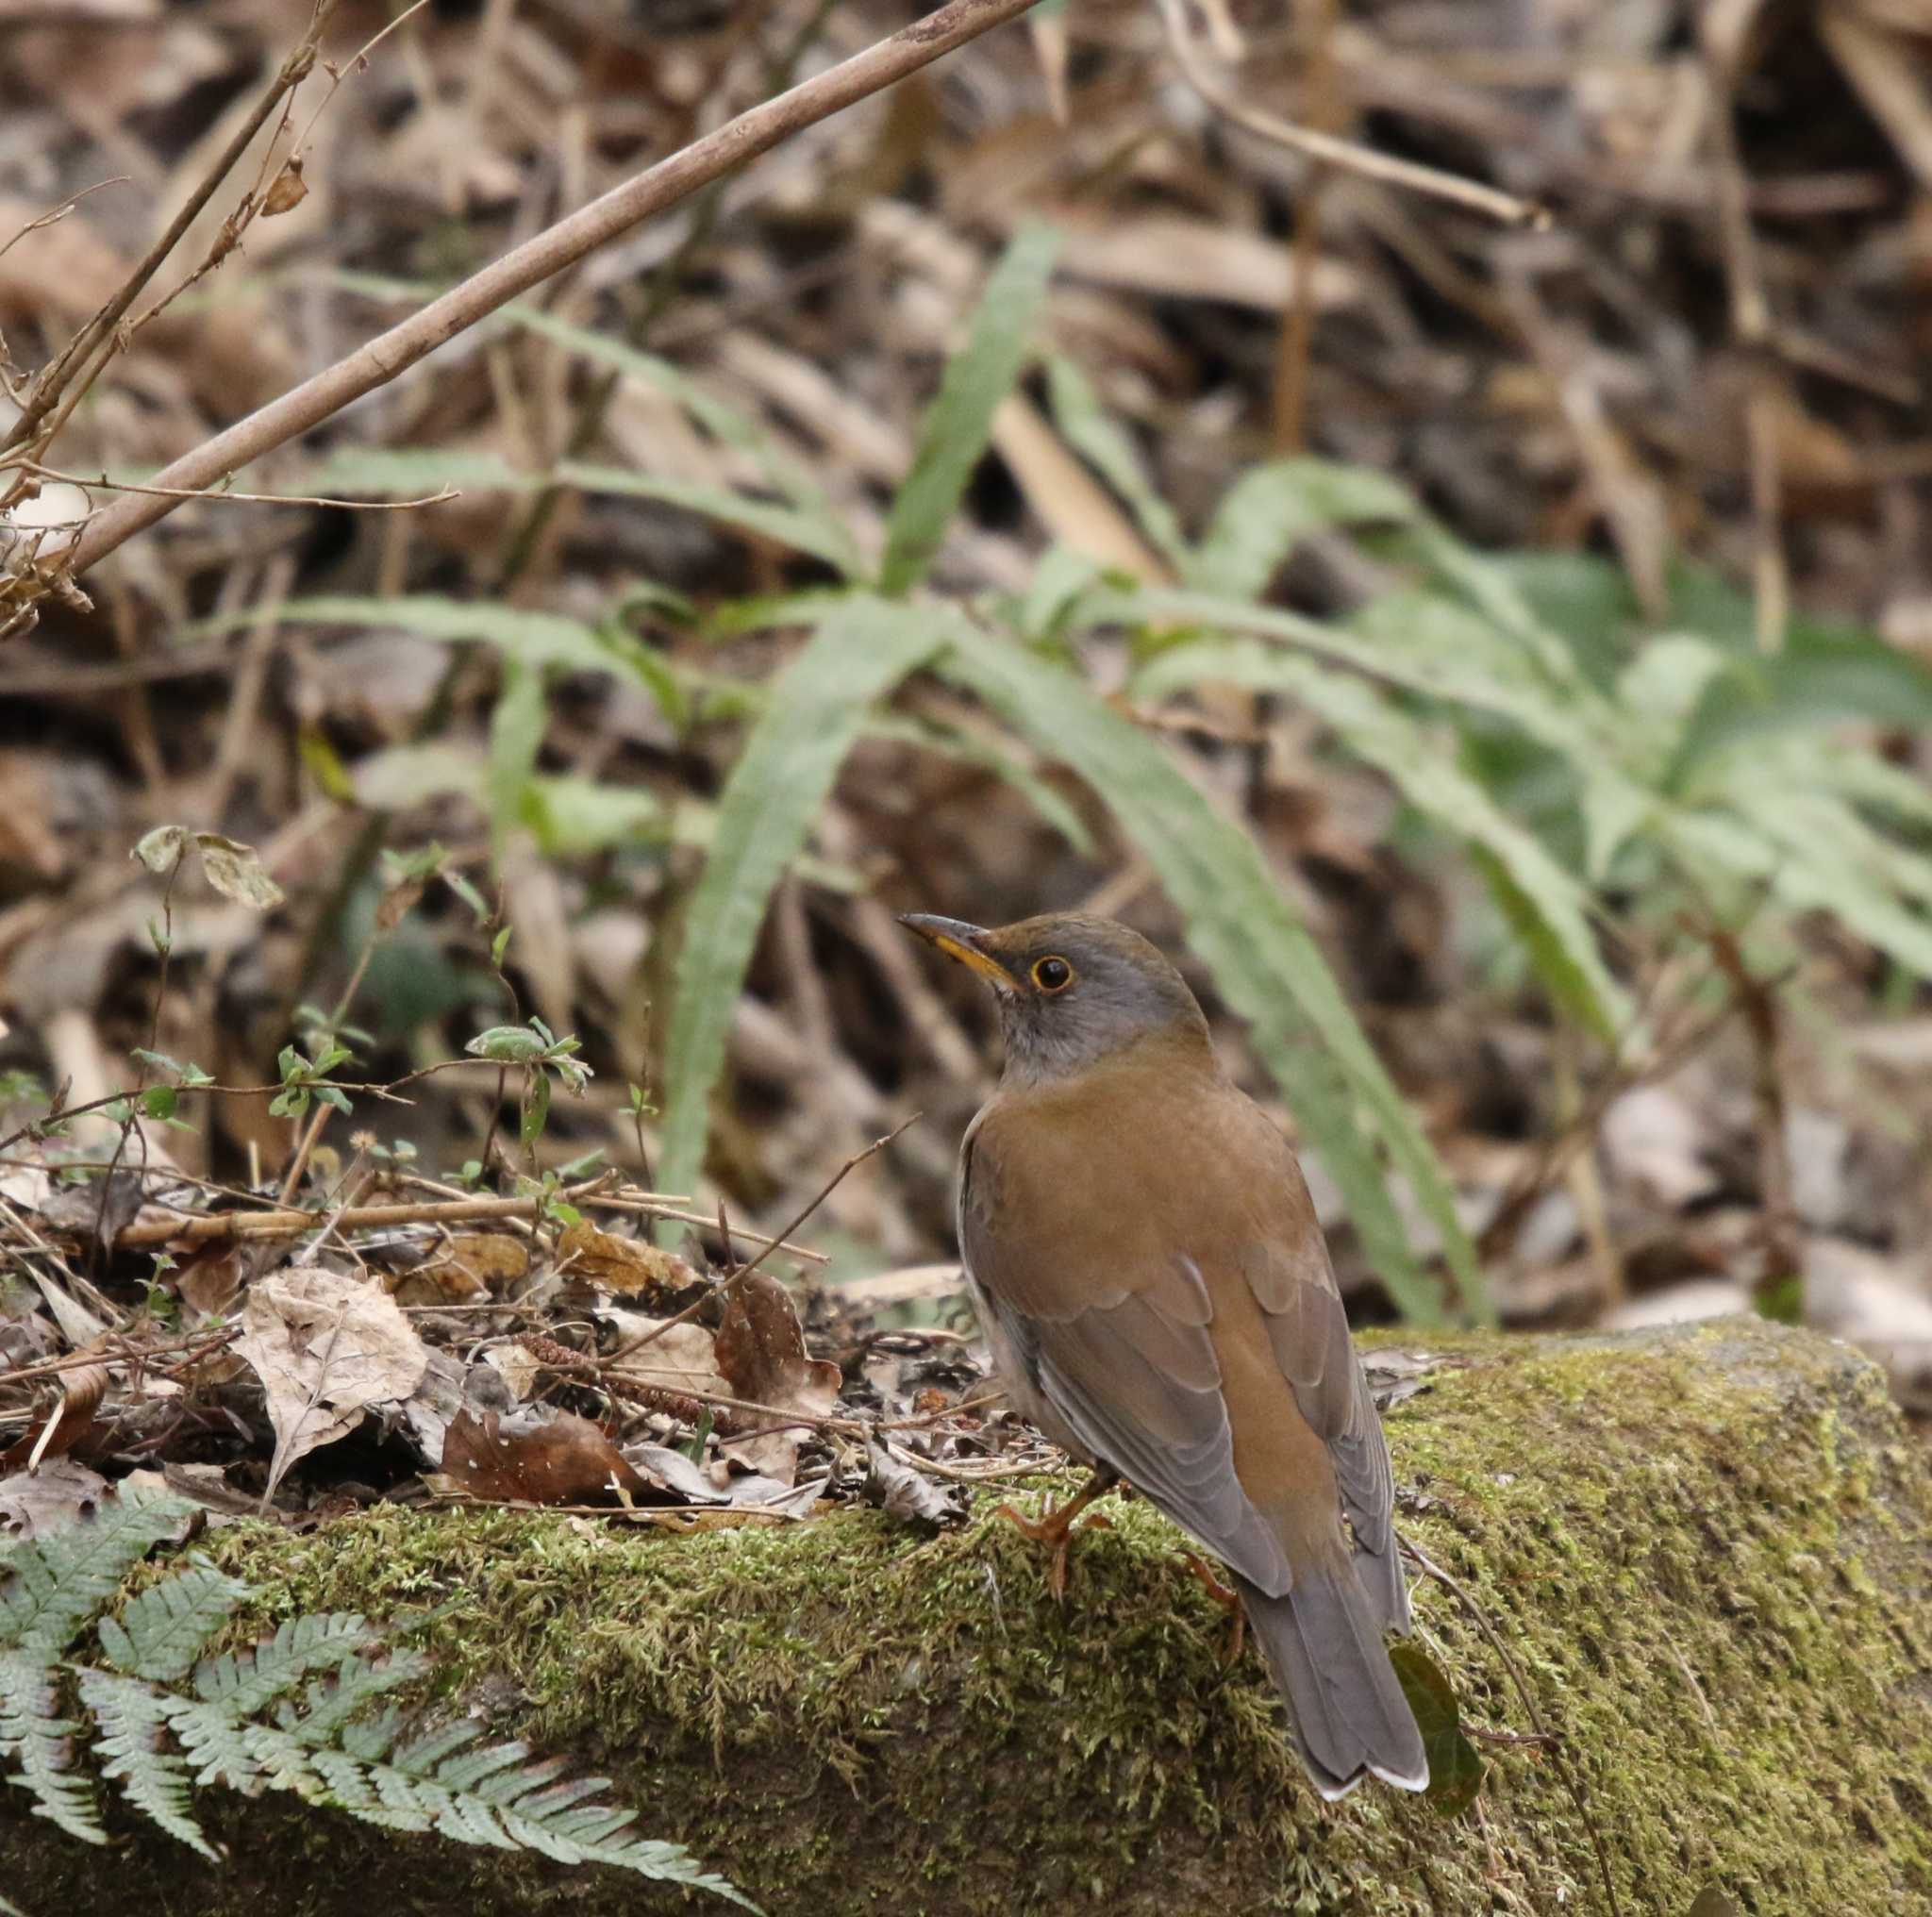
pixel 132 1719
pixel 60 1581
pixel 215 1744
pixel 247 1681
pixel 356 1682
pixel 164 1630
pixel 34 1733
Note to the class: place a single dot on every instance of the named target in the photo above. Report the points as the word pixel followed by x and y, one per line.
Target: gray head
pixel 1070 989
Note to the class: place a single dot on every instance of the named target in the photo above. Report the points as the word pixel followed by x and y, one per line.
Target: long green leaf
pixel 1262 958
pixel 723 422
pixel 1269 510
pixel 1429 777
pixel 803 532
pixel 1103 442
pixel 537 639
pixel 957 426
pixel 860 652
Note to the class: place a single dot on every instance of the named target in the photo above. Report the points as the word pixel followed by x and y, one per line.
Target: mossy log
pixel 1707 1553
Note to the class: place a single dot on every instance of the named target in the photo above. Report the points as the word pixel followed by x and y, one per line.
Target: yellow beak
pixel 957 940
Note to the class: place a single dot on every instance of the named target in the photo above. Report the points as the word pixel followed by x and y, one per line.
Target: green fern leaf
pixel 164 1630
pixel 1262 958
pixel 34 1734
pixel 861 650
pixel 957 425
pixel 244 1682
pixel 132 1722
pixel 57 1582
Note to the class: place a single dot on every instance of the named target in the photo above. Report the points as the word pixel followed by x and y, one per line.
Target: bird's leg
pixel 1228 1598
pixel 1058 1525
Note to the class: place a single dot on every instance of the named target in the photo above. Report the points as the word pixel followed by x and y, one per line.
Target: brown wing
pixel 1308 1330
pixel 1120 1349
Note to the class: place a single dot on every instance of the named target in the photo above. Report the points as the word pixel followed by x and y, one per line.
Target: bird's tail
pixel 1323 1643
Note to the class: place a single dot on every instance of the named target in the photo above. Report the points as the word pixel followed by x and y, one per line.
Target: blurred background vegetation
pixel 1498 662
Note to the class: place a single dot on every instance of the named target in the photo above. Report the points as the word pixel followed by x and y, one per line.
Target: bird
pixel 1158 1299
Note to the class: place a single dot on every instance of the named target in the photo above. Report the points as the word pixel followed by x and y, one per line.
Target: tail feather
pixel 1323 1641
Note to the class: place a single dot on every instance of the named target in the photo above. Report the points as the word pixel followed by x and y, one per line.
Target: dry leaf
pixel 535 1458
pixel 909 1496
pixel 624 1265
pixel 235 871
pixel 761 1351
pixel 481 1261
pixel 67 1420
pixel 34 1502
pixel 286 191
pixel 325 1347
pixel 677 1357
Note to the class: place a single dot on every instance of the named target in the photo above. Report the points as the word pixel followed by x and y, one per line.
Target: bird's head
pixel 1070 989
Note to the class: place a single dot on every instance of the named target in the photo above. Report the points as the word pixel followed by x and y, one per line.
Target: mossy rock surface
pixel 1708 1553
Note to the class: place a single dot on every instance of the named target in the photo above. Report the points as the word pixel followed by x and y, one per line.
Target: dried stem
pixel 1345 155
pixel 55 379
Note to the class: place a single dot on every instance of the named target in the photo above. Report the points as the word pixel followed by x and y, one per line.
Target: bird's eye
pixel 1052 974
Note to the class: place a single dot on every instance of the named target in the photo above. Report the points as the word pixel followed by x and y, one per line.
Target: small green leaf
pixel 158 1101
pixel 499 945
pixel 957 425
pixel 1455 1770
pixel 507 1045
pixel 517 724
pixel 1269 510
pixel 535 1111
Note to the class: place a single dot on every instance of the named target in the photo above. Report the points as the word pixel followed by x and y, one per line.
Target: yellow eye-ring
pixel 1052 974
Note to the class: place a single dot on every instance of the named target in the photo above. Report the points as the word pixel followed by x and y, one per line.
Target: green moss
pixel 1707 1553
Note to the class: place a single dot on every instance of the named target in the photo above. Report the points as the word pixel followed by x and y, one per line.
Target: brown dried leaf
pixel 627 1266
pixel 761 1352
pixel 286 191
pixel 909 1496
pixel 555 1460
pixel 70 1416
pixel 481 1262
pixel 325 1347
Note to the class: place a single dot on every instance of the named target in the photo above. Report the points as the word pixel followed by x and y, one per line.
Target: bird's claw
pixel 1229 1599
pixel 1056 1529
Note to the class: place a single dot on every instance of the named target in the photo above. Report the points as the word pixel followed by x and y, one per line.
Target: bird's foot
pixel 1229 1599
pixel 1055 1527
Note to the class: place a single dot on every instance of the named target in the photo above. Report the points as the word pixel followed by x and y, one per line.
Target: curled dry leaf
pixel 628 1266
pixel 287 190
pixel 909 1496
pixel 66 1421
pixel 761 1351
pixel 532 1456
pixel 235 871
pixel 325 1347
